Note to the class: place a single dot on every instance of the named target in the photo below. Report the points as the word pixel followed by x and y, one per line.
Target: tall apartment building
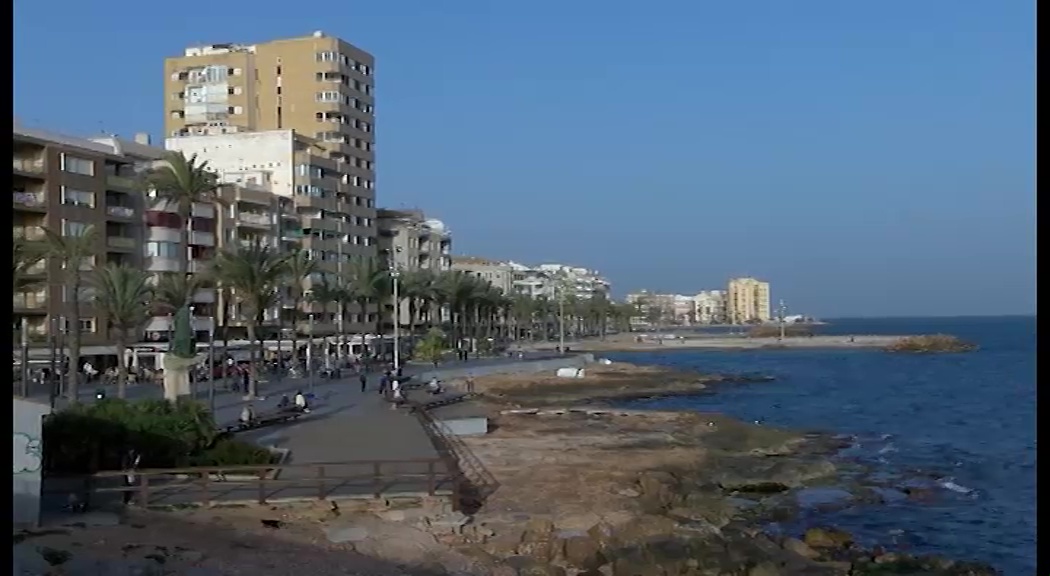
pixel 161 247
pixel 65 185
pixel 550 280
pixel 301 109
pixel 747 301
pixel 411 241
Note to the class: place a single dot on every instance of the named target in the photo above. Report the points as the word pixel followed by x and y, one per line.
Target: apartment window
pixel 78 165
pixel 163 250
pixel 329 96
pixel 235 110
pixel 87 325
pixel 71 197
pixel 163 219
pixel 73 228
pixel 327 56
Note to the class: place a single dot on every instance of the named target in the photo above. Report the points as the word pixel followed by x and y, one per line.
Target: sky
pixel 865 158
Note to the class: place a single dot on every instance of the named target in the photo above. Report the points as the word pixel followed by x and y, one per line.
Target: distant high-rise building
pixel 747 301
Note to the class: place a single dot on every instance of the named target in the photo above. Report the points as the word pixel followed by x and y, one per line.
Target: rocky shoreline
pixel 639 493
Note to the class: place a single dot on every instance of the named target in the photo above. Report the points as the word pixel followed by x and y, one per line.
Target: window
pixel 71 197
pixel 328 96
pixel 163 250
pixel 327 56
pixel 72 228
pixel 78 165
pixel 163 219
pixel 87 325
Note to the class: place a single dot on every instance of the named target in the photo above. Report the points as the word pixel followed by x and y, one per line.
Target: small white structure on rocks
pixel 570 373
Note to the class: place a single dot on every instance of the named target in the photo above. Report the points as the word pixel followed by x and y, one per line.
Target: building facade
pixel 710 307
pixel 747 301
pixel 68 185
pixel 410 241
pixel 303 111
pixel 333 223
pixel 499 274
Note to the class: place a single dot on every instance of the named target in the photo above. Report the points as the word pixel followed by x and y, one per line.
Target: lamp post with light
pixel 395 275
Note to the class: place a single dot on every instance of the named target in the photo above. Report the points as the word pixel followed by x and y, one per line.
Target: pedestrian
pixel 470 384
pixel 364 381
pixel 246 379
pixel 400 369
pixel 384 380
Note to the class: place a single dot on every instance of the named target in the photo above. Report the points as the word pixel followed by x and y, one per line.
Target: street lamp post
pixel 310 352
pixel 211 366
pixel 783 320
pixel 561 319
pixel 395 274
pixel 25 356
pixel 52 341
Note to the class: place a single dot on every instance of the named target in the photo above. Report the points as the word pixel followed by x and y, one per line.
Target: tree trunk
pixel 73 321
pixel 296 302
pixel 412 317
pixel 122 365
pixel 253 368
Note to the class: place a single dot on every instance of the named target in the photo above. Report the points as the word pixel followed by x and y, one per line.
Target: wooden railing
pixel 215 485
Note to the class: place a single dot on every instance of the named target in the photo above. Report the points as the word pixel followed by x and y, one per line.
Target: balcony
pixel 31 233
pixel 34 166
pixel 38 269
pixel 206 239
pixel 203 211
pixel 121 183
pixel 30 200
pixel 204 296
pixel 120 211
pixel 255 220
pixel 121 242
pixel 30 300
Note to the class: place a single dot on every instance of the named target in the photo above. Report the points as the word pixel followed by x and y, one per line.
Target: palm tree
pixel 459 290
pixel 254 275
pixel 299 267
pixel 174 291
pixel 182 182
pixel 368 282
pixel 415 287
pixel 24 255
pixel 123 297
pixel 72 251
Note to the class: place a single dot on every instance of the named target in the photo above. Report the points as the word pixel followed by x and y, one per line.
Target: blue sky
pixel 866 158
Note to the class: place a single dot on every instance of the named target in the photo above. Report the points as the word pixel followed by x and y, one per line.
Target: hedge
pixel 88 438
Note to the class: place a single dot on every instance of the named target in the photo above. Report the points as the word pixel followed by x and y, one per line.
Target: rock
pixel 343 534
pixel 452 522
pixel 544 550
pixel 527 566
pixel 715 510
pixel 837 567
pixel 827 538
pixel 801 548
pixel 657 488
pixel 189 556
pixel 629 493
pixel 887 558
pixel 538 529
pixel 95 520
pixel 636 564
pixel 582 552
pixel 764 569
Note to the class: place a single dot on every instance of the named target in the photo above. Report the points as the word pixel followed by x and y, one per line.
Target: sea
pixel 963 423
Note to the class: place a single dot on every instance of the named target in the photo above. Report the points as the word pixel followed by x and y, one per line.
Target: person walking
pixel 364 381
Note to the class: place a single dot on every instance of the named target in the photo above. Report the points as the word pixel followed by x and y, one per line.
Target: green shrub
pixel 931 344
pixel 231 452
pixel 431 347
pixel 88 438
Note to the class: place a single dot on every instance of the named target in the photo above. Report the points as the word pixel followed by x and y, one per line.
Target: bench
pixel 278 416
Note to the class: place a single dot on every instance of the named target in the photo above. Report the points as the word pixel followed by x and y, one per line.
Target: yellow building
pixel 747 301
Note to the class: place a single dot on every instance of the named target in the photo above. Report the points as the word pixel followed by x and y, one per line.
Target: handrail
pixel 475 483
pixel 140 485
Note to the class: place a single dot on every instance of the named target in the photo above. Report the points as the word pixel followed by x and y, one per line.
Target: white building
pixel 710 306
pixel 545 281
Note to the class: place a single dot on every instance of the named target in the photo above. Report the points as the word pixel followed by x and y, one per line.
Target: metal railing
pixel 475 483
pixel 218 484
pixel 33 199
pixel 120 211
pixel 33 165
pixel 121 182
pixel 120 242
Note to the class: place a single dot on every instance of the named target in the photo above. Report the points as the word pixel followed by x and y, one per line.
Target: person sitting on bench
pixel 434 387
pixel 300 401
pixel 284 403
pixel 247 415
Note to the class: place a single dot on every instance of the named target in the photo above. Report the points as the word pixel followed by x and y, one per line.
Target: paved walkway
pixel 344 425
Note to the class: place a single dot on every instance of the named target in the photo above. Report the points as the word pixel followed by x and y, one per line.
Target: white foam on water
pixel 948 484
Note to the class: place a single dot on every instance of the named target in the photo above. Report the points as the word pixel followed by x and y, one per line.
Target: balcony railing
pixel 120 242
pixel 30 300
pixel 256 219
pixel 32 199
pixel 120 182
pixel 120 211
pixel 38 268
pixel 33 165
pixel 30 233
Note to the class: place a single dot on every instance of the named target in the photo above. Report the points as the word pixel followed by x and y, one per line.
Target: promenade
pixel 344 425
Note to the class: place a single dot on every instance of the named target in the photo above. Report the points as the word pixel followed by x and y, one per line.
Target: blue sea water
pixel 966 422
